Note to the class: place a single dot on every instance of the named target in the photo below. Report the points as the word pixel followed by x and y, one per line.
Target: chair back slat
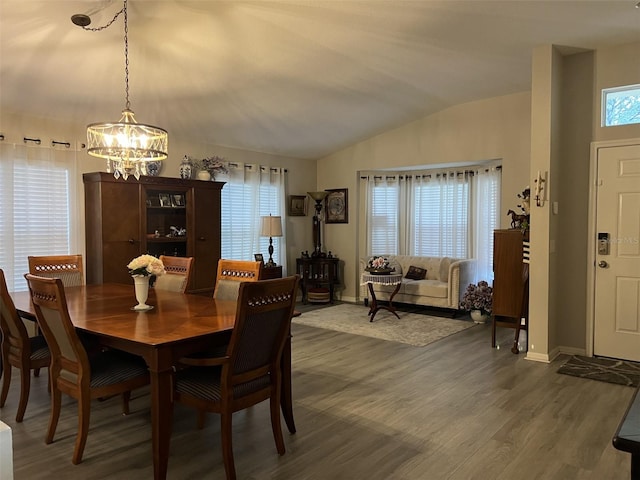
pixel 231 273
pixel 68 268
pixel 13 330
pixel 178 274
pixel 49 301
pixel 263 321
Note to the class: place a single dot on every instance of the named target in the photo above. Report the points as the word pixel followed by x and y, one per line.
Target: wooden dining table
pixel 176 326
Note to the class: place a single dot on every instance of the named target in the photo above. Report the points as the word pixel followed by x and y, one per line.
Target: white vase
pixel 478 317
pixel 141 284
pixel 203 175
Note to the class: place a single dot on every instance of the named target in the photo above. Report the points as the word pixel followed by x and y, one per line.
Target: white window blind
pixel 384 218
pixel 36 207
pixel 247 196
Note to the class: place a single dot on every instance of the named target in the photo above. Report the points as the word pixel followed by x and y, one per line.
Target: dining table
pixel 177 325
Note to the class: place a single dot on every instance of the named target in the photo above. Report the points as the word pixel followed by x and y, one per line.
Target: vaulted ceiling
pixel 294 78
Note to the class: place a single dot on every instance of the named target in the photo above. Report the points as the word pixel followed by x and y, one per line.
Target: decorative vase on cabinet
pixel 186 168
pixel 203 175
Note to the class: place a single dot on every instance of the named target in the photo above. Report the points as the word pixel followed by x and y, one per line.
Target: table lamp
pixel 271 227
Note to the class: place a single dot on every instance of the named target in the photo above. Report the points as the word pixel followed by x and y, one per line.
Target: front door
pixel 617 275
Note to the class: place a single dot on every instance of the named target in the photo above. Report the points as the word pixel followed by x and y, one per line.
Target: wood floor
pixel 365 409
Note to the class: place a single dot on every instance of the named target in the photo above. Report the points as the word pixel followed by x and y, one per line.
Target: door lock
pixel 603 264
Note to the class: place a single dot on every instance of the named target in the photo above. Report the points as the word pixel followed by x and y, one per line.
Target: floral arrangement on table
pixel 146 265
pixel 377 264
pixel 478 297
pixel 214 165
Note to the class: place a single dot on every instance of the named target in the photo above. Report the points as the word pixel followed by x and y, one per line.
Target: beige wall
pixel 496 128
pixel 301 173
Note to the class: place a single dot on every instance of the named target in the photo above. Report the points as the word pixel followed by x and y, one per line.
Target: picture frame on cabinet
pixel 336 206
pixel 258 257
pixel 177 200
pixel 165 199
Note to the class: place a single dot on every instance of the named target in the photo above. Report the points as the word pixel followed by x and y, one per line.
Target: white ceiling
pixel 294 78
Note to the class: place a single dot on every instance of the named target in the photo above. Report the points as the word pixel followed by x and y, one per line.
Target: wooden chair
pixel 250 371
pixel 178 274
pixel 72 370
pixel 18 350
pixel 231 273
pixel 68 268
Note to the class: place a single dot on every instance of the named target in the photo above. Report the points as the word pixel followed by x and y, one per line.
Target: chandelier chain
pixel 126 56
pixel 115 17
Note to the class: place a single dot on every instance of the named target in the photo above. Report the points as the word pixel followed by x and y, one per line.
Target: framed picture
pixel 336 206
pixel 165 199
pixel 258 257
pixel 297 205
pixel 177 200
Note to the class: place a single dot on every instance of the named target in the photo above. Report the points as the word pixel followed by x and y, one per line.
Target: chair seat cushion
pixel 113 366
pixel 39 348
pixel 204 383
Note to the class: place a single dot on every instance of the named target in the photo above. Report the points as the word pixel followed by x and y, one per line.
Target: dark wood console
pixel 317 272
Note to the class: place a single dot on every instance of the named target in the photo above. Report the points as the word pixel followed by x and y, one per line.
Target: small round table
pixel 381 279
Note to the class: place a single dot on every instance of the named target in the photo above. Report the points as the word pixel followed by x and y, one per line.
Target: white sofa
pixel 446 280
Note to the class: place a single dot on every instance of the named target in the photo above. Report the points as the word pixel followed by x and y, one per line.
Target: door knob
pixel 603 264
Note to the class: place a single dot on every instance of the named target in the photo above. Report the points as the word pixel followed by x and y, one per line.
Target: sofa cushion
pixel 425 288
pixel 416 273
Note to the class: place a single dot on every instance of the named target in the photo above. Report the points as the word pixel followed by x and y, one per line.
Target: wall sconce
pixel 539 189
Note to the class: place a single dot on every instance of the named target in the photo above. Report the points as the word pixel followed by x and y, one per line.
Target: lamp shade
pixel 318 196
pixel 271 226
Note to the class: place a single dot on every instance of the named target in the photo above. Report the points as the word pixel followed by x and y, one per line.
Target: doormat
pixel 603 369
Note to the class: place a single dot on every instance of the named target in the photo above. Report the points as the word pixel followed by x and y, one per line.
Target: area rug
pixel 411 328
pixel 604 369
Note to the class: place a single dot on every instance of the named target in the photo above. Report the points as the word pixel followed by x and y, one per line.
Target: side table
pixel 269 273
pixel 384 279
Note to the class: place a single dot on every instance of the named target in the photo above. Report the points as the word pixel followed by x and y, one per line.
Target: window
pixel 250 193
pixel 621 106
pixel 37 207
pixel 450 214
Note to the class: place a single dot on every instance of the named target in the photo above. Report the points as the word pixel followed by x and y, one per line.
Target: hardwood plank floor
pixel 365 408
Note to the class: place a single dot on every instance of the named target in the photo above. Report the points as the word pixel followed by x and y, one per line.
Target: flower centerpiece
pixel 478 298
pixel 146 265
pixel 214 165
pixel 141 268
pixel 378 264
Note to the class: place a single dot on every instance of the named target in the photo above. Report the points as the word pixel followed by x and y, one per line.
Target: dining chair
pixel 231 273
pixel 66 267
pixel 177 274
pixel 18 350
pixel 73 371
pixel 250 371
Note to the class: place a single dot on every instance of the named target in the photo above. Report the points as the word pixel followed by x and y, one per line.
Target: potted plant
pixel 209 167
pixel 477 299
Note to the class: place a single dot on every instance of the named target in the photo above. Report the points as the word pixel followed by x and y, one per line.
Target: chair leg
pixel 493 331
pixel 55 414
pixel 126 396
pixel 36 372
pixel 84 414
pixel 6 381
pixel 25 386
pixel 227 445
pixel 276 425
pixel 202 415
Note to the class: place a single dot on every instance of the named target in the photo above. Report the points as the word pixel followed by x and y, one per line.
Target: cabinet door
pixel 508 269
pixel 206 215
pixel 120 209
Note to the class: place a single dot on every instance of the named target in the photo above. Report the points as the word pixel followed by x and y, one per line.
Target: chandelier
pixel 126 145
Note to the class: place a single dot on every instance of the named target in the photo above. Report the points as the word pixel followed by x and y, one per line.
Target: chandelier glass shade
pixel 127 145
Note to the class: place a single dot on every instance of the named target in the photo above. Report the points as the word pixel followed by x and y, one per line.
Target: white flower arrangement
pixel 146 265
pixel 377 263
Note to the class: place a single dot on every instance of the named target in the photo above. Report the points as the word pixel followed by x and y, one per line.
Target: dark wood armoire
pixel 155 215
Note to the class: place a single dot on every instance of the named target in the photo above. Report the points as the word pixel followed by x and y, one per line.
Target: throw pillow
pixel 416 273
